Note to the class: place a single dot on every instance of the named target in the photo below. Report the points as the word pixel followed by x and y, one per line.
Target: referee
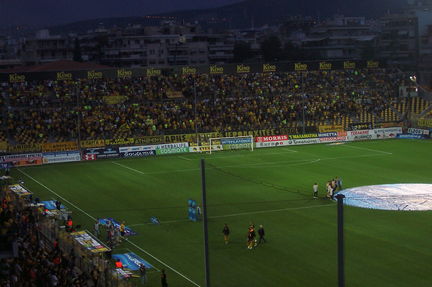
pixel 261 234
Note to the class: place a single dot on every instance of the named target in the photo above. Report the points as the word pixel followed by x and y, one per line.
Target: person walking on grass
pixel 226 233
pixel 315 190
pixel 261 234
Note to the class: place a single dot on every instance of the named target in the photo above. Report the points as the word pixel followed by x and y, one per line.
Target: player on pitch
pixel 226 233
pixel 251 241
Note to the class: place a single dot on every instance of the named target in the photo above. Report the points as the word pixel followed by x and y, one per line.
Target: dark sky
pixel 48 12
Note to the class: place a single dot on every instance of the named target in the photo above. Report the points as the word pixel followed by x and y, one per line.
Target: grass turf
pixel 272 187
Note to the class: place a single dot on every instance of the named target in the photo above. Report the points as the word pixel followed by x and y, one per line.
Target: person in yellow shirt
pixel 122 229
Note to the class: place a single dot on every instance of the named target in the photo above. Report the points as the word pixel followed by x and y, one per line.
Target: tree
pixel 271 49
pixel 77 51
pixel 242 51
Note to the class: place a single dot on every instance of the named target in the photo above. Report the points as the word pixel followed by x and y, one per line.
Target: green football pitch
pixel 272 187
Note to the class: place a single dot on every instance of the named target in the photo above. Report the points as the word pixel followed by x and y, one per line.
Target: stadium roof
pixel 64 65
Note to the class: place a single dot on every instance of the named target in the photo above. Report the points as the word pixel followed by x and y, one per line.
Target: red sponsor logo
pixel 342 134
pixel 272 138
pixel 333 139
pixel 89 157
pixel 364 132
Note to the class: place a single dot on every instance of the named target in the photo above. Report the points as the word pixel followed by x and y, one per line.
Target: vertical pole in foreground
pixel 205 227
pixel 341 255
pixel 195 113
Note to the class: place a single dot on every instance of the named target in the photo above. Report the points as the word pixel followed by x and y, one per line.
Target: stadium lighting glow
pixel 402 196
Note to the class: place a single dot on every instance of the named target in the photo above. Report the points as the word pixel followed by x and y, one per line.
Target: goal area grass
pixel 272 187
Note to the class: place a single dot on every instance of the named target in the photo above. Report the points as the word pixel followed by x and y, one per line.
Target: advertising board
pixel 100 153
pixel 139 153
pixel 136 148
pixel 274 143
pixel 58 157
pixel 414 131
pixel 332 139
pixel 22 159
pixel 205 148
pixel 408 136
pixel 272 138
pixel 161 151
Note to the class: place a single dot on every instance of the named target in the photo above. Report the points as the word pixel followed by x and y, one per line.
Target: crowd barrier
pixel 192 138
pixel 261 140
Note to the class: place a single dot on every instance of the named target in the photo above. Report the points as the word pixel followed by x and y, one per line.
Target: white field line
pixel 53 192
pixel 130 168
pixel 240 214
pixel 215 155
pixel 368 149
pixel 243 155
pixel 252 165
pixel 185 158
pixel 270 211
pixel 155 258
pixel 285 163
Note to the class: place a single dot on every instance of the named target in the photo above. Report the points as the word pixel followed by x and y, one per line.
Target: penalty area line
pixel 240 214
pixel 369 149
pixel 270 211
pixel 125 166
pixel 127 240
pixel 184 158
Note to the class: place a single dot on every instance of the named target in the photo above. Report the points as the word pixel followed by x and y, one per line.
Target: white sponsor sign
pixel 306 141
pixel 171 145
pixel 414 131
pixel 152 147
pixel 362 137
pixel 333 139
pixel 386 133
pixel 57 157
pixel 136 148
pixel 217 147
pixel 360 132
pixel 274 143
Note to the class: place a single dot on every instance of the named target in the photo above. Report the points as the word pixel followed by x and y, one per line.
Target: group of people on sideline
pixel 332 186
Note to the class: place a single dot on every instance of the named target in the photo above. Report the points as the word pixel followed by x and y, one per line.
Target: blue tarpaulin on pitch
pixel 131 261
pixel 50 205
pixel 128 231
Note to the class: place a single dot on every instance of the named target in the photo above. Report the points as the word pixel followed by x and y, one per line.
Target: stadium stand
pixel 34 251
pixel 49 111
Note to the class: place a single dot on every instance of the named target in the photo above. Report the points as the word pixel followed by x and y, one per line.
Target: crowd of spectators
pixel 34 261
pixel 163 104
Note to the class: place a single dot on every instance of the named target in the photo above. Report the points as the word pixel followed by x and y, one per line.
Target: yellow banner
pixel 390 125
pixel 125 141
pixel 330 128
pixel 92 143
pixel 3 146
pixel 425 123
pixel 25 148
pixel 61 146
pixel 148 140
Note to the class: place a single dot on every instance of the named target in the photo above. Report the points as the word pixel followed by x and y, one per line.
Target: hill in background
pixel 249 13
